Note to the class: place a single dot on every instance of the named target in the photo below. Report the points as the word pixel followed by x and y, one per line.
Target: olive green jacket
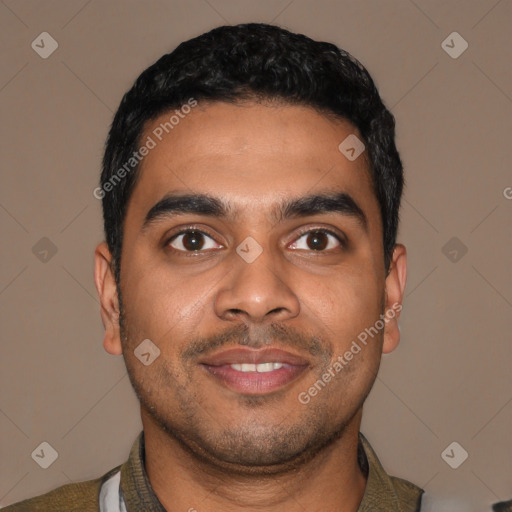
pixel 383 493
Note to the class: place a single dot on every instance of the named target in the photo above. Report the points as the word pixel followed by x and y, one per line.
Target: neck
pixel 330 480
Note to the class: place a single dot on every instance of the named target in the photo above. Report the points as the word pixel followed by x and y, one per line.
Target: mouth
pixel 254 372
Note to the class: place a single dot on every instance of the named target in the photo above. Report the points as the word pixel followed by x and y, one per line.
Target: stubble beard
pixel 252 449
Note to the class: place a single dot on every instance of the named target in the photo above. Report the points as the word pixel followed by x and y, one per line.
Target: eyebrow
pixel 204 204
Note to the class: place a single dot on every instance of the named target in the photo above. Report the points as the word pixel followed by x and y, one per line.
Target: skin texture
pixel 208 447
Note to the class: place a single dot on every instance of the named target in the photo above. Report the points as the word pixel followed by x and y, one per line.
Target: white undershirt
pixel 111 500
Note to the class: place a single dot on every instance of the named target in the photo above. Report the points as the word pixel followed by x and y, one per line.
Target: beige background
pixel 450 378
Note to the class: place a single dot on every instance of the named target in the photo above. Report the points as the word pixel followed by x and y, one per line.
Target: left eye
pixel 317 240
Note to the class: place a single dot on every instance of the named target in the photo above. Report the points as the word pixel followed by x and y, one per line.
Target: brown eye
pixel 318 240
pixel 192 240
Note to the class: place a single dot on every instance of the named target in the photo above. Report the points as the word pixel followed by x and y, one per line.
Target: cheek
pixel 343 304
pixel 160 303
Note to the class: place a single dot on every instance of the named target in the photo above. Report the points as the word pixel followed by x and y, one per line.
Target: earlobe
pixel 107 292
pixel 395 286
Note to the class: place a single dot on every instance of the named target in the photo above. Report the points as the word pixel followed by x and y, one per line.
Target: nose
pixel 258 291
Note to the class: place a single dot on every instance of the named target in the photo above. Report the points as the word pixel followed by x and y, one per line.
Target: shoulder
pixel 75 497
pixel 409 495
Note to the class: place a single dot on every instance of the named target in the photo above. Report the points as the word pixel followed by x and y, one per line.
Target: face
pixel 253 290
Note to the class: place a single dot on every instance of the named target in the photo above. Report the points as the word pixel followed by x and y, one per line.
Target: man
pixel 250 278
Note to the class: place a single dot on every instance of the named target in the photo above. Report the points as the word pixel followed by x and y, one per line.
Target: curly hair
pixel 255 61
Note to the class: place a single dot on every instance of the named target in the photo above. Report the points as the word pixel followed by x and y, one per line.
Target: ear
pixel 395 286
pixel 107 291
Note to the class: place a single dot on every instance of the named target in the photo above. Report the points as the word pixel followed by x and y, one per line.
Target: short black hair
pixel 252 61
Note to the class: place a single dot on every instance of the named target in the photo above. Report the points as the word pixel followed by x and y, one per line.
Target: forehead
pixel 250 155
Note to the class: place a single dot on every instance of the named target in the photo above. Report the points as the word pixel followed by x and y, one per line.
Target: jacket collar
pixel 382 491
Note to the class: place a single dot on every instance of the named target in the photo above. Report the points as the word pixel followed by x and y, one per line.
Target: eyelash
pixel 301 233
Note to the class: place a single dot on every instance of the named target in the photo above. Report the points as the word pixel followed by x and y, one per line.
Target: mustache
pixel 259 337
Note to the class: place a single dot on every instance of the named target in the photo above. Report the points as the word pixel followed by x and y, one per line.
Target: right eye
pixel 192 240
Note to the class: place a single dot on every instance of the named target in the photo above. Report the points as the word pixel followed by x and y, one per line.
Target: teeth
pixel 260 368
pixel 264 367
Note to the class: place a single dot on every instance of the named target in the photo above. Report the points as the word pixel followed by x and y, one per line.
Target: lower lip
pixel 254 383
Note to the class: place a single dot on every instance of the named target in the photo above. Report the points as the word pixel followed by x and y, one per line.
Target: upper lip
pixel 252 356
